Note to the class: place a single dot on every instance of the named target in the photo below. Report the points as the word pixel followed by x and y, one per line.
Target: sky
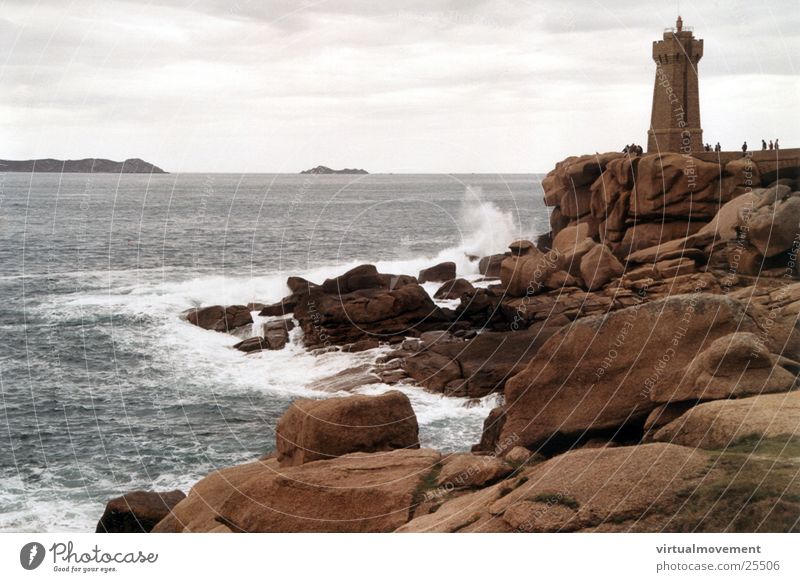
pixel 453 86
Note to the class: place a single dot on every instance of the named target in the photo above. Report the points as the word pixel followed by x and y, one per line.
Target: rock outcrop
pixel 490 266
pixel 454 289
pixel 643 349
pixel 599 266
pixel 527 270
pixel 323 429
pixel 476 367
pixel 724 423
pixel 362 304
pixel 220 318
pixel 364 493
pixel 577 491
pixel 438 273
pixel 200 510
pixel 599 373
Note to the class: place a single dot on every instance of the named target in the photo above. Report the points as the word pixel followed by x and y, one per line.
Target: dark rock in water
pixel 219 318
pixel 283 307
pixel 327 170
pixel 276 333
pixel 298 286
pixel 362 304
pixel 490 266
pixel 252 344
pixel 365 277
pixel 438 273
pixel 454 289
pixel 323 429
pixel 275 337
pixel 361 277
pixel 137 511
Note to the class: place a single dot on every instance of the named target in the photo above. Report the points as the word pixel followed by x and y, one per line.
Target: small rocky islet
pixel 647 353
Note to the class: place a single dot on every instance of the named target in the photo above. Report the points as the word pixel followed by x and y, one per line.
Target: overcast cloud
pixel 390 86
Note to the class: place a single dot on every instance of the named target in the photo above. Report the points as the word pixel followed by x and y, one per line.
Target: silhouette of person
pixel 744 148
pixel 717 148
pixel 776 143
pixel 770 144
pixel 763 145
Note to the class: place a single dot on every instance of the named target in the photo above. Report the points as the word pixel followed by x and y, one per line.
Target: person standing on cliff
pixel 776 143
pixel 770 144
pixel 717 148
pixel 763 145
pixel 744 148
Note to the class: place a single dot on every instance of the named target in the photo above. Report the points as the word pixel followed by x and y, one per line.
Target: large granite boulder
pixel 567 186
pixel 220 318
pixel 723 423
pixel 360 492
pixel 649 234
pixel 610 198
pixel 775 228
pixel 729 218
pixel 311 430
pixel 364 304
pixel 527 270
pixel 578 491
pixel 199 511
pixel 570 245
pixel 672 185
pixel 137 511
pixel 735 365
pixel 599 266
pixel 599 372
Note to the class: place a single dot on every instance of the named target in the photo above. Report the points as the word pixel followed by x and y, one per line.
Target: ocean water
pixel 105 389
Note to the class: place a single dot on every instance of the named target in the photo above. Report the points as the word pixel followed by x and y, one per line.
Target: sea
pixel 106 389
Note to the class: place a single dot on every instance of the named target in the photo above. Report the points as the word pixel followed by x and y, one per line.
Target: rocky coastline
pixel 647 351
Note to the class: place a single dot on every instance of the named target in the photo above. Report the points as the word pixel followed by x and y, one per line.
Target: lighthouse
pixel 675 118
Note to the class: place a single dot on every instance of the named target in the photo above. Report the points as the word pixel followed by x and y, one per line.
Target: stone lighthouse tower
pixel 675 120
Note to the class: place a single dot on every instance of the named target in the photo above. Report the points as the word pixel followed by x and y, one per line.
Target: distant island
pixel 85 166
pixel 327 170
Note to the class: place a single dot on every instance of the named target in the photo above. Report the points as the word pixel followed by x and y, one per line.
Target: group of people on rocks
pixel 633 149
pixel 636 150
pixel 772 146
